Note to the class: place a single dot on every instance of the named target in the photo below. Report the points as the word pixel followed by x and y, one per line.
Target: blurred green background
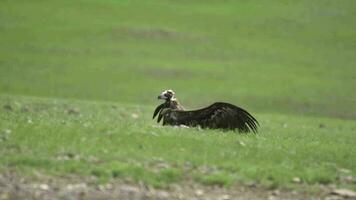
pixel 294 57
pixel 282 60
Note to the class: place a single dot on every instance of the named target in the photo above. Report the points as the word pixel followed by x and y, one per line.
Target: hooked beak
pixel 161 96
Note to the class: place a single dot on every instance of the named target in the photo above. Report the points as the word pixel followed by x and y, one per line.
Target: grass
pixel 106 141
pixel 281 56
pixel 72 72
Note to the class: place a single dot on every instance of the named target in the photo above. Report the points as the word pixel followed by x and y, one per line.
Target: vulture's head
pixel 166 95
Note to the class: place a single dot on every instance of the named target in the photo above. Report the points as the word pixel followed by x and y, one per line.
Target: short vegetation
pixel 79 82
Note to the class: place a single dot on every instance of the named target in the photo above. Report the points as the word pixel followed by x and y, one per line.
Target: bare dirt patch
pixel 13 186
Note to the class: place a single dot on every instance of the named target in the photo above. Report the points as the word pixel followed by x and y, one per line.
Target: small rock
pixel 134 115
pixel 225 197
pixel 271 197
pixel 183 126
pixel 4 196
pixel 101 188
pixel 79 186
pixel 163 195
pixel 109 186
pixel 199 193
pixel 275 192
pixel 180 196
pixel 296 180
pixel 344 193
pixel 242 143
pixel 29 121
pixel 162 165
pixel 43 187
pixel 129 189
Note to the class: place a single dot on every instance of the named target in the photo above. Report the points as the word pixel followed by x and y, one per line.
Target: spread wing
pixel 218 115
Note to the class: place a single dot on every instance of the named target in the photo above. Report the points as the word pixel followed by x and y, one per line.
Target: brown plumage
pixel 219 115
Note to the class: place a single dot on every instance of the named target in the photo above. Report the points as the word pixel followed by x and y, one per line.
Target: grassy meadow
pixel 79 81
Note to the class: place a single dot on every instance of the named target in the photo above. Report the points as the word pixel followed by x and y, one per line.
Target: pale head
pixel 167 95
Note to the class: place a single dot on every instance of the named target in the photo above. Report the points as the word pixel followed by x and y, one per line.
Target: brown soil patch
pixel 13 186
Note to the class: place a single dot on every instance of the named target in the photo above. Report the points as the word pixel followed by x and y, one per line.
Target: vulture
pixel 219 115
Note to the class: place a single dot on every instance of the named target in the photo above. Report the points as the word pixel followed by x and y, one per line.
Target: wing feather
pixel 160 116
pixel 157 110
pixel 218 115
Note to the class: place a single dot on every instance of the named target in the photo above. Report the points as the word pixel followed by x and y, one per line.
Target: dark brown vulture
pixel 219 115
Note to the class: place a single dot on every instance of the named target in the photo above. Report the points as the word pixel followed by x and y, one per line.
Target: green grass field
pixel 72 73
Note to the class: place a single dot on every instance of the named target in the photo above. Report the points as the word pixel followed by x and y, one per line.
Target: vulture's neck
pixel 174 104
